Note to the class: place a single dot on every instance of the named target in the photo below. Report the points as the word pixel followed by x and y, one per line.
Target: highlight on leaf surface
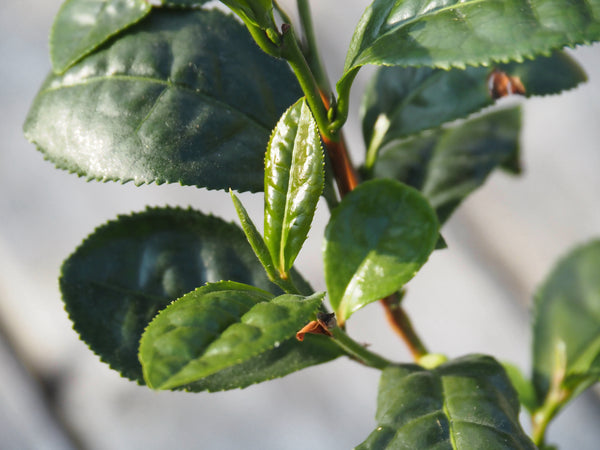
pixel 376 240
pixel 130 268
pixel 216 327
pixel 183 96
pixel 294 179
pixel 466 403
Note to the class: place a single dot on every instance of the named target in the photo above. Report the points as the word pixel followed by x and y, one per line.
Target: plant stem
pixel 555 400
pixel 402 325
pixel 357 351
pixel 311 52
pixel 292 53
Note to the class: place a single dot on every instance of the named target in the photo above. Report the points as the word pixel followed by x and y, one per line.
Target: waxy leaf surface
pixel 467 403
pixel 447 165
pixel 217 327
pixel 566 323
pixel 404 100
pixel 81 26
pixel 376 240
pixel 129 269
pixel 456 33
pixel 294 180
pixel 183 96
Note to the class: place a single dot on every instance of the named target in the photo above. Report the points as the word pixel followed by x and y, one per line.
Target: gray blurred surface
pixel 472 297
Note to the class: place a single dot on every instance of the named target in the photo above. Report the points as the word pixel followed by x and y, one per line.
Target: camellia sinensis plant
pixel 176 91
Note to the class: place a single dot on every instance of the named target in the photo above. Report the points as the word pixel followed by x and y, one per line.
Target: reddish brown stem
pixel 402 325
pixel 345 175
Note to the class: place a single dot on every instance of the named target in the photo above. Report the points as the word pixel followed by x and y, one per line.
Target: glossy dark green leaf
pixel 375 242
pixel 404 100
pixel 447 165
pixel 456 33
pixel 131 268
pixel 81 26
pixel 467 403
pixel 216 327
pixel 567 319
pixel 294 180
pixel 183 96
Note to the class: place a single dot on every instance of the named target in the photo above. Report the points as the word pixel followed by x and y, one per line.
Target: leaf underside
pixel 129 269
pixel 183 96
pixel 407 100
pixel 447 165
pixel 467 403
pixel 567 315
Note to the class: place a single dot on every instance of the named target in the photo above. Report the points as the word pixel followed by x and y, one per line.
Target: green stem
pixel 282 13
pixel 292 53
pixel 263 41
pixel 312 52
pixel 339 115
pixel 555 400
pixel 357 351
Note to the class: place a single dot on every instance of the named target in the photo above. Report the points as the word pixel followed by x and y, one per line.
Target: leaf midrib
pixel 167 83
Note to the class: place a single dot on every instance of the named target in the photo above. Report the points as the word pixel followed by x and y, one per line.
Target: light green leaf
pixel 294 180
pixel 567 316
pixel 217 327
pixel 183 96
pixel 456 33
pixel 523 386
pixel 256 12
pixel 403 100
pixel 375 242
pixel 467 403
pixel 254 238
pixel 447 165
pixel 129 269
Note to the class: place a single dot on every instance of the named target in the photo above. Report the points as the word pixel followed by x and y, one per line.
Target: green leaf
pixel 81 26
pixel 131 268
pixel 216 327
pixel 255 240
pixel 447 165
pixel 256 12
pixel 289 357
pixel 467 403
pixel 523 386
pixel 294 180
pixel 184 96
pixel 400 101
pixel 375 242
pixel 567 319
pixel 456 33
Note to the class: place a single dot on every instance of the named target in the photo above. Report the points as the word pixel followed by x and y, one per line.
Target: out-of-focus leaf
pixel 523 386
pixel 129 269
pixel 400 101
pixel 217 327
pixel 376 240
pixel 447 165
pixel 467 403
pixel 567 320
pixel 294 180
pixel 184 96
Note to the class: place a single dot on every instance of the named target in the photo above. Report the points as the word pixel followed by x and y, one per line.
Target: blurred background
pixel 472 297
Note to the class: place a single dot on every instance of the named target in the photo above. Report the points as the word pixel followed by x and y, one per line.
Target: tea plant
pixel 172 91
